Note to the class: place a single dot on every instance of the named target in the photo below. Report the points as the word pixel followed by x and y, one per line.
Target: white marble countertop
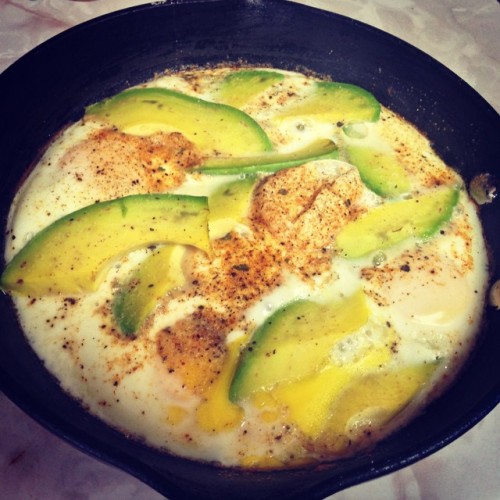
pixel 462 34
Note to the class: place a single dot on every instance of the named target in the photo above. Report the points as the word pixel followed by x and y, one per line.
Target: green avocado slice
pixel 379 170
pixel 229 204
pixel 72 254
pixel 295 342
pixel 395 221
pixel 160 273
pixel 381 395
pixel 239 87
pixel 272 161
pixel 333 102
pixel 214 128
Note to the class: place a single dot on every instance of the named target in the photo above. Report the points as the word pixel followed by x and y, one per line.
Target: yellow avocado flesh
pixel 229 205
pixel 379 170
pixel 271 161
pixel 239 87
pixel 160 273
pixel 336 103
pixel 294 342
pixel 309 400
pixel 376 398
pixel 73 254
pixel 213 128
pixel 340 398
pixel 395 221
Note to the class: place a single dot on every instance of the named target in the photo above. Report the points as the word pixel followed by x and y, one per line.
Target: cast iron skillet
pixel 50 86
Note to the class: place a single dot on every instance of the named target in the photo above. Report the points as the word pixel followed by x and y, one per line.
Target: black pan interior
pixel 50 87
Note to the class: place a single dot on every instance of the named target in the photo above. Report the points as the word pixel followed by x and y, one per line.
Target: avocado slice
pixel 294 342
pixel 213 128
pixel 157 275
pixel 72 254
pixel 395 221
pixel 229 205
pixel 309 400
pixel 239 87
pixel 381 395
pixel 333 102
pixel 272 161
pixel 379 170
pixel 335 398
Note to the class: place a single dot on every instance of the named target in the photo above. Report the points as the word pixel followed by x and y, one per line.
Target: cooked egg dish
pixel 247 266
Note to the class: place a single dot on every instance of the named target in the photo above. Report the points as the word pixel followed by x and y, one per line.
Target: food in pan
pixel 248 266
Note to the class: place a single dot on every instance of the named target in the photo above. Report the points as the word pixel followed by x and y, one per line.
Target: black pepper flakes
pixel 241 267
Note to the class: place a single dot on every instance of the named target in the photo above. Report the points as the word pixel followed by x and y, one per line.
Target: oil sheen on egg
pixel 425 297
